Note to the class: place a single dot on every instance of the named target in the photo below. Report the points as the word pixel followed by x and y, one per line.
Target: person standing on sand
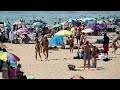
pixel 87 53
pixel 114 46
pixel 78 35
pixel 45 47
pixel 71 43
pixel 41 42
pixel 37 49
pixel 82 39
pixel 11 36
pixel 106 43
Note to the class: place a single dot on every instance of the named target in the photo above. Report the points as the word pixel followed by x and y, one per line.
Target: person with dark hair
pixel 4 50
pixel 37 49
pixel 106 43
pixel 19 72
pixel 78 35
pixel 95 53
pixel 45 47
pixel 41 41
pixel 114 46
pixel 71 43
pixel 87 53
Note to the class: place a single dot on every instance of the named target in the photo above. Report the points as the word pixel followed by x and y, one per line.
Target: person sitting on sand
pixel 19 72
pixel 87 54
pixel 114 46
pixel 71 43
pixel 26 39
pixel 37 49
pixel 45 47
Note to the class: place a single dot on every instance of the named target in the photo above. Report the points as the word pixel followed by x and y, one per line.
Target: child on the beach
pixel 71 43
pixel 37 48
pixel 19 72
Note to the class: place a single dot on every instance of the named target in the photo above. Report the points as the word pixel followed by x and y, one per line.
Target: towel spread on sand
pixel 3 56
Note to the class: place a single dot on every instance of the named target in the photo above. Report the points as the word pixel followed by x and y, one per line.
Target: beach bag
pixel 76 57
pixel 71 67
pixel 107 59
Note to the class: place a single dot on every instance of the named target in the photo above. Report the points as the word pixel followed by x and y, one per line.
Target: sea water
pixel 54 16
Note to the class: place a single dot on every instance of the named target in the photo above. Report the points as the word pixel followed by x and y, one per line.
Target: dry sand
pixel 57 68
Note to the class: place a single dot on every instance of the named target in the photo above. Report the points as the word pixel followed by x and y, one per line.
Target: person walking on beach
pixel 37 49
pixel 11 36
pixel 71 43
pixel 87 53
pixel 78 35
pixel 82 39
pixel 115 40
pixel 45 47
pixel 41 42
pixel 106 43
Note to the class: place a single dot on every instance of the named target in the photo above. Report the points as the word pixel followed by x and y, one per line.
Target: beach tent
pixel 56 41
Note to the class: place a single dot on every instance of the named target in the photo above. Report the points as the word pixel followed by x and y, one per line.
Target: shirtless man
pixel 78 35
pixel 45 47
pixel 71 43
pixel 87 54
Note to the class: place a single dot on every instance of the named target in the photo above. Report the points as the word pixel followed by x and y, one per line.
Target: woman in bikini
pixel 37 49
pixel 41 42
pixel 45 47
pixel 115 40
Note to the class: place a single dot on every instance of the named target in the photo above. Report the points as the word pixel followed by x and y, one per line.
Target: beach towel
pixel 12 73
pixel 5 70
pixel 3 56
pixel 30 77
pixel 101 68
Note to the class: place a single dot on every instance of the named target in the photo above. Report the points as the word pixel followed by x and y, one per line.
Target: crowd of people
pixel 42 44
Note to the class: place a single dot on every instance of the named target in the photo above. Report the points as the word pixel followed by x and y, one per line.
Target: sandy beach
pixel 57 68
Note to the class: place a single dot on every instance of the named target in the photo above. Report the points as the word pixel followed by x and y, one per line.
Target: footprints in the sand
pixel 10 49
pixel 48 59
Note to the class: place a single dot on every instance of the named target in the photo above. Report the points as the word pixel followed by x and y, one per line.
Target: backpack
pixel 71 67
